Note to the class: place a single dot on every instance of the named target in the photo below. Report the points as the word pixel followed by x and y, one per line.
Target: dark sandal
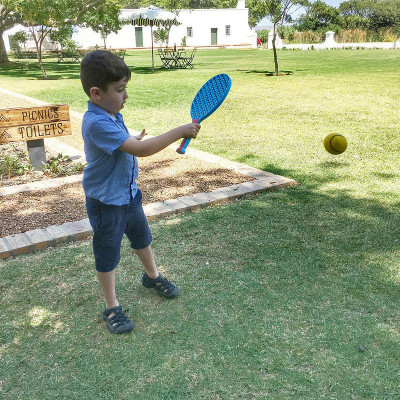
pixel 162 285
pixel 119 322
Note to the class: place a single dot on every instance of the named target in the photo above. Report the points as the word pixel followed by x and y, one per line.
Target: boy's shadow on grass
pixel 330 229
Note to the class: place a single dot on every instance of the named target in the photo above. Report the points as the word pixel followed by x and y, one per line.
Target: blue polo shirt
pixel 110 175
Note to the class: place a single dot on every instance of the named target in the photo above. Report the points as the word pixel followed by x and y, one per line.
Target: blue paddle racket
pixel 207 100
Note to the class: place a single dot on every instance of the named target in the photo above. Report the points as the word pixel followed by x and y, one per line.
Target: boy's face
pixel 112 100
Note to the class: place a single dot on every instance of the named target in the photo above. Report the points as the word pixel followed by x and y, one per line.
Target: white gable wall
pixel 201 22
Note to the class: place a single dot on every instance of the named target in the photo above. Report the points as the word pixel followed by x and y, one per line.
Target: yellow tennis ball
pixel 335 143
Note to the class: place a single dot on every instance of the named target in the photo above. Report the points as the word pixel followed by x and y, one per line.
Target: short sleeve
pixel 107 135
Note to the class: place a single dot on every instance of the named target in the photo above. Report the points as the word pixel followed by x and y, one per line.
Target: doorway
pixel 139 36
pixel 214 36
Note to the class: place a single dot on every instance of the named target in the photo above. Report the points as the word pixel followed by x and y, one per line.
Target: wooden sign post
pixel 33 125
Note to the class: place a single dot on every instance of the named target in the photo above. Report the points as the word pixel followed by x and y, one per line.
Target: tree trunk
pixel 3 52
pixel 39 55
pixel 104 37
pixel 276 73
pixel 38 43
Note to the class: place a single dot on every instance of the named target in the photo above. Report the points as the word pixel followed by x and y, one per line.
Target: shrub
pixel 13 162
pixel 15 43
pixel 263 35
pixel 60 165
pixel 69 46
pixel 364 35
pixel 304 37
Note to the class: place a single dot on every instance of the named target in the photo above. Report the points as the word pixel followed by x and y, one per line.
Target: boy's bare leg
pixel 146 257
pixel 117 321
pixel 107 284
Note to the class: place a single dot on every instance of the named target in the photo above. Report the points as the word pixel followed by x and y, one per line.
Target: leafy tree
pixel 319 16
pixel 386 14
pixel 8 18
pixel 212 4
pixel 36 17
pixel 181 4
pixel 371 14
pixel 356 13
pixel 104 20
pixel 62 35
pixel 15 42
pixel 360 8
pixel 44 17
pixel 161 36
pixel 278 12
pixel 133 4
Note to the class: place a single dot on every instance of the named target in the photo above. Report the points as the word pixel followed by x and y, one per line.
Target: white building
pixel 200 28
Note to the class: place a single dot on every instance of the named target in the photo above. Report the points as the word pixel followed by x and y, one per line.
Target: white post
pixel 329 39
pixel 278 40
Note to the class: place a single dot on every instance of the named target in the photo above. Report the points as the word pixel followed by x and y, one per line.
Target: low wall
pixel 364 45
pixel 330 43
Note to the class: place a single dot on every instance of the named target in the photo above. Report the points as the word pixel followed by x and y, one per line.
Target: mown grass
pixel 278 290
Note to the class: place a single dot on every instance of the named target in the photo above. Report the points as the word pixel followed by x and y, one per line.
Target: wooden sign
pixel 23 124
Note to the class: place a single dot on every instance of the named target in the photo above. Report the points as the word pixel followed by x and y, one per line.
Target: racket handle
pixel 185 142
pixel 182 148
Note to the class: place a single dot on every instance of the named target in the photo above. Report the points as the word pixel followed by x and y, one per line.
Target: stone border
pixel 38 239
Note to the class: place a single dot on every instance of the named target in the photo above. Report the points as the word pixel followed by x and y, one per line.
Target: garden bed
pixel 162 176
pixel 15 168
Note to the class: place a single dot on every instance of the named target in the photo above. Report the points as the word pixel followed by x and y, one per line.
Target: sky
pixel 333 3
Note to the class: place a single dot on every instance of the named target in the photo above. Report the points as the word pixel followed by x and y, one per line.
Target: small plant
pixel 13 162
pixel 60 166
pixel 161 36
pixel 12 166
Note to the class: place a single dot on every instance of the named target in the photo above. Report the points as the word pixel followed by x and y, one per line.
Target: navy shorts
pixel 110 223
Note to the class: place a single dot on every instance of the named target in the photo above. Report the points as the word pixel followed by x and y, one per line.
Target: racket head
pixel 210 96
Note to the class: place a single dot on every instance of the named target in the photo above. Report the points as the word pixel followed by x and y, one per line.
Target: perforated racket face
pixel 210 97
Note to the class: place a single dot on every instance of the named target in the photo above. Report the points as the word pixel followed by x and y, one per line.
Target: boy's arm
pixel 155 144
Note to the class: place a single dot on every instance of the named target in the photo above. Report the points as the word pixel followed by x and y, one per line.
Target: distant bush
pixel 301 37
pixel 290 36
pixel 16 40
pixel 363 35
pixel 263 36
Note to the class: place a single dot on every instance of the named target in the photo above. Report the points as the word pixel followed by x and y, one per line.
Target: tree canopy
pixel 181 4
pixel 44 17
pixel 278 12
pixel 352 14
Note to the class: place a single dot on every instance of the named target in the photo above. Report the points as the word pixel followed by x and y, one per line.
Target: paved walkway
pixel 39 239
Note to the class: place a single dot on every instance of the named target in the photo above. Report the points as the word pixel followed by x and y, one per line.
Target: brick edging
pixel 39 239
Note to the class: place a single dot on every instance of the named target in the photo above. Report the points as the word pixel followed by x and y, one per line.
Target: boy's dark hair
pixel 101 67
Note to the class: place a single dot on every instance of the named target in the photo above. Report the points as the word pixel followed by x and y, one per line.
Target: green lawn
pixel 278 291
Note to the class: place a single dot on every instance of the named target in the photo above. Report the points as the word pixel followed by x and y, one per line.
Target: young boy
pixel 113 200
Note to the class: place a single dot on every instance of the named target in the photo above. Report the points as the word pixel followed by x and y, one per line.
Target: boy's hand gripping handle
pixel 185 142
